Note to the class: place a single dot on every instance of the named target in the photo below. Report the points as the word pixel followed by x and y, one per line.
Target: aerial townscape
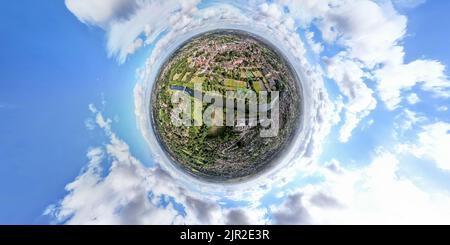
pixel 234 66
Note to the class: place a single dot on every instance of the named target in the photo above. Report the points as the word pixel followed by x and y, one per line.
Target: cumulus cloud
pixel 316 47
pixel 372 33
pixel 395 78
pixel 292 211
pixel 144 25
pixel 100 12
pixel 375 194
pixel 119 197
pixel 368 33
pixel 127 22
pixel 237 217
pixel 433 144
pixel 349 76
pixel 325 201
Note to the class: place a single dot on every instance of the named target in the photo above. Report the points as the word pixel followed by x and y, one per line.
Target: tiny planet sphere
pixel 225 106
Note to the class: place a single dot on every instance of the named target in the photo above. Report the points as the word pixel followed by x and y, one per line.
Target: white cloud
pixel 291 211
pixel 246 216
pixel 135 45
pixel 119 197
pixel 126 20
pixel 375 194
pixel 99 12
pixel 271 10
pixel 370 32
pixel 146 22
pixel 306 10
pixel 102 123
pixel 413 99
pixel 316 47
pixel 395 78
pixel 349 76
pixel 434 144
pixel 407 119
pixel 89 124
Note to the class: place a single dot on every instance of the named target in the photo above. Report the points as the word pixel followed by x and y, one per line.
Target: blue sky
pixel 54 63
pixel 53 66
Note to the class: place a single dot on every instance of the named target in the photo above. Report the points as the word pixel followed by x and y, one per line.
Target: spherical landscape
pixel 238 103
